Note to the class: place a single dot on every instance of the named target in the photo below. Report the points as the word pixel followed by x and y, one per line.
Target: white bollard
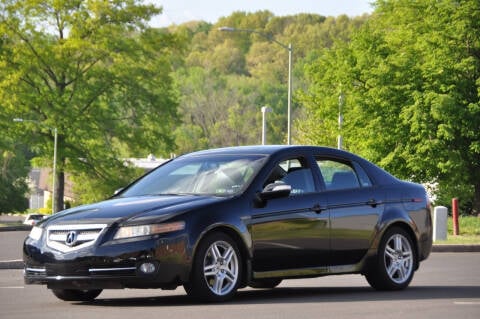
pixel 440 215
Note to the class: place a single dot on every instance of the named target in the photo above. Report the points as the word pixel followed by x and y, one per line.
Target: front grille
pixel 117 271
pixel 66 269
pixel 66 238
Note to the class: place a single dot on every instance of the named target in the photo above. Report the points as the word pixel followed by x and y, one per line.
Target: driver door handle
pixel 372 202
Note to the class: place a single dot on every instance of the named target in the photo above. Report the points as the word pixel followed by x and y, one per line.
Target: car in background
pixel 219 220
pixel 33 219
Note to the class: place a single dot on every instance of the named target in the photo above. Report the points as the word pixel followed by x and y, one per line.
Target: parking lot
pixel 446 286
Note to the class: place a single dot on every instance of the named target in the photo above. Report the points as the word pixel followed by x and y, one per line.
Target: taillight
pixel 421 200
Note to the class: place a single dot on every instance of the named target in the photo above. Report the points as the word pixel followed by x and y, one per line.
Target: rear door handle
pixel 317 209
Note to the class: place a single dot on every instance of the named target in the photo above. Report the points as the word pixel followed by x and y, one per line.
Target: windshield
pixel 218 175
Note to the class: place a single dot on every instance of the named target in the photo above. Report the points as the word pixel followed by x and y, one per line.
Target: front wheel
pixel 395 261
pixel 217 269
pixel 76 295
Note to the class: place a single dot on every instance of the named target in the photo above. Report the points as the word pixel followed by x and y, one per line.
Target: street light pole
pixel 289 106
pixel 341 101
pixel 55 139
pixel 265 109
pixel 289 48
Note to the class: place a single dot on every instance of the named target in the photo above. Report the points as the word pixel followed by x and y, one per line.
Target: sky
pixel 180 11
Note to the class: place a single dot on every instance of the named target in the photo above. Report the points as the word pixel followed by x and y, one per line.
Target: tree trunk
pixel 59 190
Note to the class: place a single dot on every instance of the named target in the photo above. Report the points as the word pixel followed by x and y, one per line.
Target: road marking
pixel 461 303
pixel 12 287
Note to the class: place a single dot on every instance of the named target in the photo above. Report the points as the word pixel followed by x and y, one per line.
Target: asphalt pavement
pixel 447 285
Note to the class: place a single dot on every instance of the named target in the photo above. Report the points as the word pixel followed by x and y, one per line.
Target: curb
pixel 455 248
pixel 15 228
pixel 11 264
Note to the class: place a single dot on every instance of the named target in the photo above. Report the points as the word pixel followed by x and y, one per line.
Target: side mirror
pixel 118 191
pixel 275 190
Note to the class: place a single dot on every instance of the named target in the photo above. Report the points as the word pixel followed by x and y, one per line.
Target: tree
pixel 228 77
pixel 13 185
pixel 93 70
pixel 411 79
pixel 218 110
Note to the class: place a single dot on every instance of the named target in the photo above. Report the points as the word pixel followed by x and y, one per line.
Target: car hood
pixel 132 210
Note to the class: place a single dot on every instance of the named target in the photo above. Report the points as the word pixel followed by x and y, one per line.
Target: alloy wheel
pixel 398 258
pixel 221 268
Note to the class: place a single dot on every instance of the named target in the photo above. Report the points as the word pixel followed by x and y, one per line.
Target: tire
pixel 217 269
pixel 268 283
pixel 76 295
pixel 395 262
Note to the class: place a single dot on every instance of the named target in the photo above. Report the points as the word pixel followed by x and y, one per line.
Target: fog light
pixel 147 268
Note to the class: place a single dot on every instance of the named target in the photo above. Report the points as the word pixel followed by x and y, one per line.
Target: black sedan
pixel 218 220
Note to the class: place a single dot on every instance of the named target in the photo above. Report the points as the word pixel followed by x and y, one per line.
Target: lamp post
pixel 341 101
pixel 265 109
pixel 289 48
pixel 55 139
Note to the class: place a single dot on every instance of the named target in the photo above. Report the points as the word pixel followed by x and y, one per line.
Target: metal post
pixel 341 101
pixel 265 109
pixel 289 105
pixel 55 138
pixel 456 228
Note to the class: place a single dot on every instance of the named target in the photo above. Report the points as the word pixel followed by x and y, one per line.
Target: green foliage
pixel 14 167
pixel 89 191
pixel 96 73
pixel 13 185
pixel 229 76
pixel 411 81
pixel 408 76
pixel 469 227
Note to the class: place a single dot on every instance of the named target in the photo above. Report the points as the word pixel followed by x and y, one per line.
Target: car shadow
pixel 302 295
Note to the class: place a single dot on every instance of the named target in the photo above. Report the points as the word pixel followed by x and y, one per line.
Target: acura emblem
pixel 71 238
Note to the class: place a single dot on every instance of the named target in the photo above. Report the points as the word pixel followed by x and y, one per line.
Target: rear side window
pixel 340 175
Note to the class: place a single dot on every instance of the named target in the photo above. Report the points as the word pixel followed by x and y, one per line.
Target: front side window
pixel 219 175
pixel 293 172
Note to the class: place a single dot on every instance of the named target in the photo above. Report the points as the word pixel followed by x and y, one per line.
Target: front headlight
pixel 35 233
pixel 147 230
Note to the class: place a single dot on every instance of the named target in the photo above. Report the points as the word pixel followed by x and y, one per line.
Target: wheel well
pixel 241 247
pixel 410 233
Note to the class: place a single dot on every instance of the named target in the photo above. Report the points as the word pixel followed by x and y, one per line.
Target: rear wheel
pixel 76 295
pixel 394 265
pixel 217 269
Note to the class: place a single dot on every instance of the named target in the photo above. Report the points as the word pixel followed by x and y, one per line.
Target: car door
pixel 291 232
pixel 354 206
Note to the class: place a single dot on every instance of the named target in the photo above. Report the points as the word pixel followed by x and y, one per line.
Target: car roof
pixel 257 149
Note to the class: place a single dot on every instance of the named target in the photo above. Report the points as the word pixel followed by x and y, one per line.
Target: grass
pixel 11 224
pixel 469 231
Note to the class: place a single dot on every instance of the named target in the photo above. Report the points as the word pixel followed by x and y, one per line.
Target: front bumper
pixel 114 264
